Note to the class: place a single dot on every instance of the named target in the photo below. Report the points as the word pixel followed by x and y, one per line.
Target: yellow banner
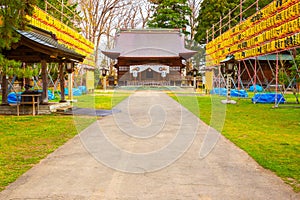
pixel 276 27
pixel 64 34
pixel 90 80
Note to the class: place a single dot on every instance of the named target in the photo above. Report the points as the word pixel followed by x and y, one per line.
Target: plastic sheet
pixel 258 88
pixel 233 92
pixel 50 95
pixel 219 91
pixel 268 98
pixel 76 91
pixel 238 93
pixel 82 89
pixel 13 97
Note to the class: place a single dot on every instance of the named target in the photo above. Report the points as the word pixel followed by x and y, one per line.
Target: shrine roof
pixel 48 45
pixel 146 43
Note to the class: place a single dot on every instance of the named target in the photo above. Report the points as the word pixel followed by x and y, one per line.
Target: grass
pixel 100 100
pixel 25 140
pixel 270 136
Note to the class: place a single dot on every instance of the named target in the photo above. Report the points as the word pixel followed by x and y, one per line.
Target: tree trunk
pixel 4 87
pixel 62 82
pixel 27 81
pixel 45 82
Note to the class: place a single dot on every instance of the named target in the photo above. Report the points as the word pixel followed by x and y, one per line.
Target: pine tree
pixel 212 10
pixel 170 14
pixel 12 17
pixel 210 13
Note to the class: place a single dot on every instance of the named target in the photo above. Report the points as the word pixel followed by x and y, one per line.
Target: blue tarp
pixel 267 98
pixel 76 92
pixel 50 95
pixel 258 88
pixel 233 92
pixel 219 91
pixel 82 89
pixel 238 93
pixel 12 97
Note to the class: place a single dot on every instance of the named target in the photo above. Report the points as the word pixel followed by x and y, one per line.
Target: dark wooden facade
pixel 149 47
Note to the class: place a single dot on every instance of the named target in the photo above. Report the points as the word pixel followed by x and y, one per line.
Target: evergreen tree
pixel 212 10
pixel 12 17
pixel 170 14
pixel 210 13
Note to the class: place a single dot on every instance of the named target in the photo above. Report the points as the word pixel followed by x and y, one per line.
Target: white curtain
pixel 163 69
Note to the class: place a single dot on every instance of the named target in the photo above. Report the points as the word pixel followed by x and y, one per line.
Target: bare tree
pixel 198 59
pixel 96 14
pixel 195 6
pixel 137 15
pixel 101 19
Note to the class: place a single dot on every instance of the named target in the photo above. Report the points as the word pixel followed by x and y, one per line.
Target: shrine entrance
pixel 149 57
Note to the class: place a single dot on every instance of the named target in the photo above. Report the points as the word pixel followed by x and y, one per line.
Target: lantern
pixel 229 69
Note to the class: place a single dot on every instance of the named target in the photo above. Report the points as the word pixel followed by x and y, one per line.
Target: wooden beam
pixel 38 47
pixel 170 61
pixel 45 82
pixel 30 51
pixel 62 82
pixel 4 86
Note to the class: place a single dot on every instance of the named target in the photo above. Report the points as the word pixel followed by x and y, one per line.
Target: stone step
pixel 64 109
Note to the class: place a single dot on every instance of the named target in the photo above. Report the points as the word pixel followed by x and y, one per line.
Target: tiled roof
pixel 149 43
pixel 48 42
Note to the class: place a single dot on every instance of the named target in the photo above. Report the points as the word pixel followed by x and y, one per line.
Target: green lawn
pixel 100 100
pixel 270 136
pixel 25 140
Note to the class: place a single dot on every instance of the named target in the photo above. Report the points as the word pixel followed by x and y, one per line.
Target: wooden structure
pixel 153 47
pixel 34 101
pixel 50 41
pixel 41 46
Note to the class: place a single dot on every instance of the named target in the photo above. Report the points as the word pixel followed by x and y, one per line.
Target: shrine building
pixel 149 56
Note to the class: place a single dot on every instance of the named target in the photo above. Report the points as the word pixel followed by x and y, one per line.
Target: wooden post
pixel 239 76
pixel 276 79
pixel 62 11
pixel 229 19
pixel 70 86
pixel 4 87
pixel 62 82
pixel 255 74
pixel 241 10
pixel 220 25
pixel 45 82
pixel 26 80
pixel 213 32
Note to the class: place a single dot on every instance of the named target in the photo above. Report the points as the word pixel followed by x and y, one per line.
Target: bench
pixel 35 101
pixel 18 107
